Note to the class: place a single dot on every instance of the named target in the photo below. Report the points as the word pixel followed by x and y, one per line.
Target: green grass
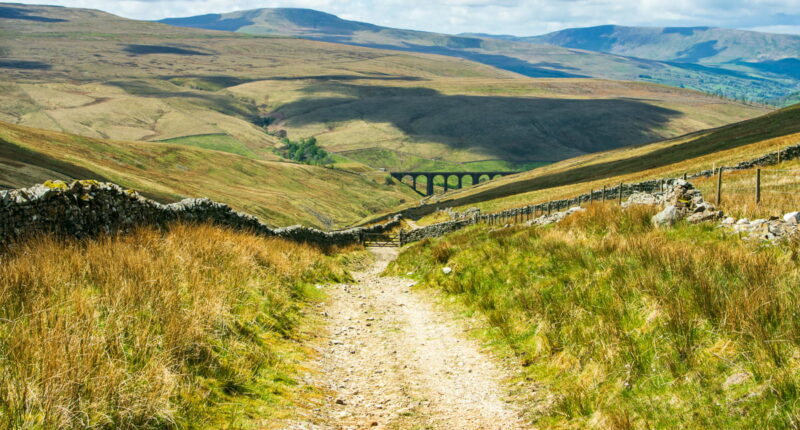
pixel 622 326
pixel 216 142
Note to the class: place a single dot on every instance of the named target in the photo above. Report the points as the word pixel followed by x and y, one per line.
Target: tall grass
pixel 192 328
pixel 627 326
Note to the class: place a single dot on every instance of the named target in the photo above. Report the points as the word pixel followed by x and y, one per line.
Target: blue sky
pixel 518 17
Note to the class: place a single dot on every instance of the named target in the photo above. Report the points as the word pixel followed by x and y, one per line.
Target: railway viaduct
pixel 430 176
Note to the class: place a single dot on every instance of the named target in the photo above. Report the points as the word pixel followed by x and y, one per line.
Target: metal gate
pixel 382 240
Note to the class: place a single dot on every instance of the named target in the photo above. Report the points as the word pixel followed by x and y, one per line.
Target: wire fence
pixel 745 184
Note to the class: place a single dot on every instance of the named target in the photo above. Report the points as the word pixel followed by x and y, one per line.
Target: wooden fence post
pixel 591 196
pixel 604 193
pixel 758 186
pixel 620 193
pixel 719 185
pixel 549 204
pixel 779 155
pixel 685 175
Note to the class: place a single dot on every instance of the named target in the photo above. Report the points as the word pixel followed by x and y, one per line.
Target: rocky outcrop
pixel 772 229
pixel 89 208
pixel 683 201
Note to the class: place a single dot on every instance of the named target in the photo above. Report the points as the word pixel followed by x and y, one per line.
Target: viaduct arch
pixel 430 176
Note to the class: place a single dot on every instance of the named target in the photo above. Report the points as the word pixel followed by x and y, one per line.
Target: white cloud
pixel 520 17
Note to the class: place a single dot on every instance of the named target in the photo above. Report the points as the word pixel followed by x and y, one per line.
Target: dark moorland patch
pixel 24 65
pixel 161 49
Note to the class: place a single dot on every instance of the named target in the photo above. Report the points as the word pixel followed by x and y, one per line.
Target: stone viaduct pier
pixel 430 176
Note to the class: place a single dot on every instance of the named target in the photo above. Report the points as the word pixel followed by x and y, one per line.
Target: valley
pixel 200 226
pixel 103 76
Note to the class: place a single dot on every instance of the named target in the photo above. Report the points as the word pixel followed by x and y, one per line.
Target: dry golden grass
pixel 780 190
pixel 188 328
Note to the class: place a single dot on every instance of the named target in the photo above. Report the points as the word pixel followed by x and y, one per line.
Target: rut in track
pixel 393 360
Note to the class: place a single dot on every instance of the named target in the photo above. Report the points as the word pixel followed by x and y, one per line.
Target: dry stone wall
pixel 436 230
pixel 88 208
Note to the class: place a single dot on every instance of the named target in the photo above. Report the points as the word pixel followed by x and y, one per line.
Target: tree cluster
pixel 304 151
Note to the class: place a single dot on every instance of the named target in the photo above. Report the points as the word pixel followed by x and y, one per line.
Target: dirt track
pixel 392 360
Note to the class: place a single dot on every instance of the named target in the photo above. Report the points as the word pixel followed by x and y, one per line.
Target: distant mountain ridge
pixel 703 45
pixel 739 64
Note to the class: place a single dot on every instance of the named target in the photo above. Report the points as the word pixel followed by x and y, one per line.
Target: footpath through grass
pixel 198 327
pixel 620 325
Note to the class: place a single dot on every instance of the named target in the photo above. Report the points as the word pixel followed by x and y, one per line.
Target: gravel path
pixel 392 360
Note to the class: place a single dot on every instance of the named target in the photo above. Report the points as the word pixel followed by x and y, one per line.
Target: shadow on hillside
pixel 344 78
pixel 24 65
pixel 508 128
pixel 161 49
pixel 505 62
pixel 15 13
pixel 17 158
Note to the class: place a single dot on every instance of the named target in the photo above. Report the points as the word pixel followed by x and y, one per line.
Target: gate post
pixel 758 186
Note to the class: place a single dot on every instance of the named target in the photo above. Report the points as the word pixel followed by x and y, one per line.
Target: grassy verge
pixel 621 325
pixel 198 327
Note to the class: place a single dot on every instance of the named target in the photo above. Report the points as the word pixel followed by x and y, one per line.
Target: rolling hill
pixel 739 64
pixel 670 158
pixel 94 74
pixel 279 193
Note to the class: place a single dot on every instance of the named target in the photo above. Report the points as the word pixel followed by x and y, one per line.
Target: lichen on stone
pixel 56 185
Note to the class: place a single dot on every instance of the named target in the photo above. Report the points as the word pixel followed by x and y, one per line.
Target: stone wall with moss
pixel 88 208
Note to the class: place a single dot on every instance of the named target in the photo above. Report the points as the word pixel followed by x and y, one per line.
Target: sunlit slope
pixel 97 75
pixel 671 158
pixel 279 193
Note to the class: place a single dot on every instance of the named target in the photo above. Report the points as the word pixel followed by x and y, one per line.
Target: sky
pixel 516 17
